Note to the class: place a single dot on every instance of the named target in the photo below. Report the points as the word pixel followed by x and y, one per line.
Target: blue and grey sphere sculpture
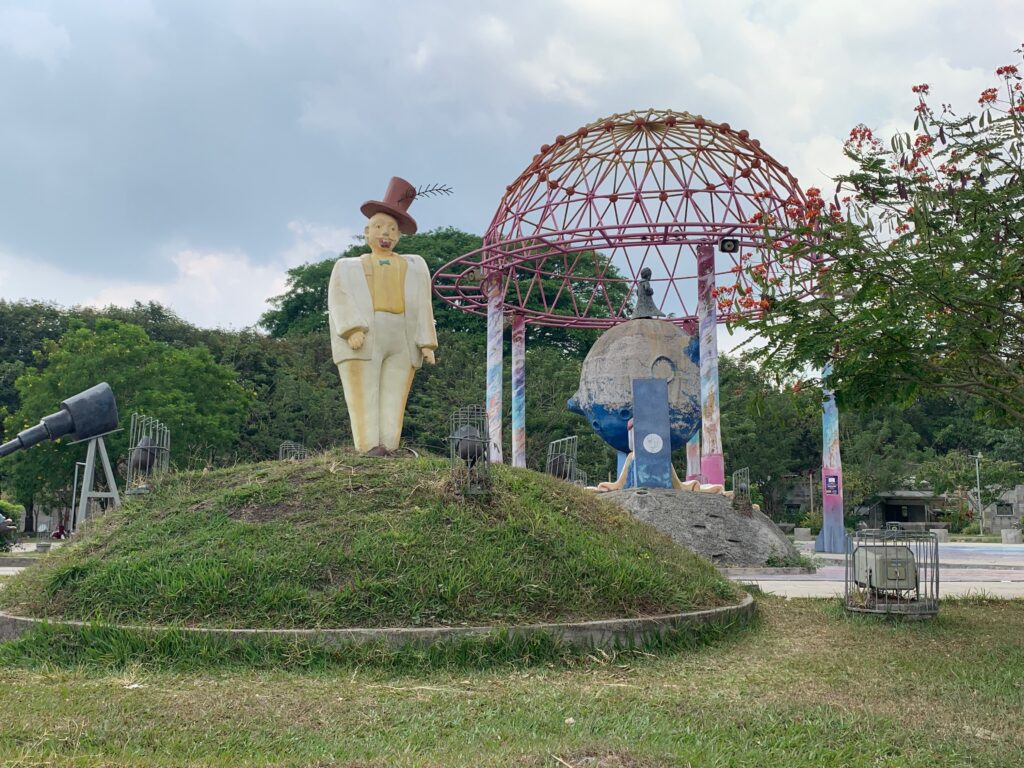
pixel 639 349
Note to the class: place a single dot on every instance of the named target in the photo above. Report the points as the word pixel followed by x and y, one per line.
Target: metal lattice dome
pixel 634 190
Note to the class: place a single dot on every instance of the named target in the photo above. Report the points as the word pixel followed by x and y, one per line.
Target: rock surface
pixel 707 524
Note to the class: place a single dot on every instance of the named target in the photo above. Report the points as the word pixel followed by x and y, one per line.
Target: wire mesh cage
pixel 561 459
pixel 290 450
pixel 893 571
pixel 741 486
pixel 150 455
pixel 469 450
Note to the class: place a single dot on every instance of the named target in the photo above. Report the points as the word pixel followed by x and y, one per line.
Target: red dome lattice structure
pixel 634 190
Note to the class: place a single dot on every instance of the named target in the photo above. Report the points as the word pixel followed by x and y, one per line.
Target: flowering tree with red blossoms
pixel 919 261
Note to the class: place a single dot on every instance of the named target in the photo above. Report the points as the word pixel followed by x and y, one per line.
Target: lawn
pixel 808 686
pixel 344 541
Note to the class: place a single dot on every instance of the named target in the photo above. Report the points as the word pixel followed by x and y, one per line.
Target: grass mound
pixel 343 541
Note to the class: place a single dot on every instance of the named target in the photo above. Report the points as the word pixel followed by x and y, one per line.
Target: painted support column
pixel 833 533
pixel 518 390
pixel 495 361
pixel 693 457
pixel 712 460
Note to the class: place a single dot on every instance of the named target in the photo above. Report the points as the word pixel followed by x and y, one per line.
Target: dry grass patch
pixel 810 688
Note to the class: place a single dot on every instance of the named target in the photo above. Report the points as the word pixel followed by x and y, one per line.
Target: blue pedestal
pixel 652 439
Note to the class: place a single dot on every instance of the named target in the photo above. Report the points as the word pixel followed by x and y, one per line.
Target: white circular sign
pixel 652 443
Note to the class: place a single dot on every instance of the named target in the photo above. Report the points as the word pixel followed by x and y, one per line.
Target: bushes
pixel 15 513
pixel 813 521
pixel 960 519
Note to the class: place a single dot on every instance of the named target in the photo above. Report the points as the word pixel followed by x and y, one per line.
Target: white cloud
pixel 208 288
pixel 32 36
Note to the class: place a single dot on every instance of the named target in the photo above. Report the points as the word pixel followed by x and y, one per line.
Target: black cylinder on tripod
pixel 87 414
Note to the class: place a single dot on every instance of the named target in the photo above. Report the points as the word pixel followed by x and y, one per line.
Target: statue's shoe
pixel 379 452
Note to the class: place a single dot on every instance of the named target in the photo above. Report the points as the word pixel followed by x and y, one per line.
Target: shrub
pixel 959 518
pixel 813 521
pixel 15 512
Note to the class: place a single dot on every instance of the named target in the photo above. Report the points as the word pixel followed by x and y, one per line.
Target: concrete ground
pixel 992 569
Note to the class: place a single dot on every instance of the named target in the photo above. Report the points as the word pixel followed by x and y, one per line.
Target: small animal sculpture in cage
pixel 469 450
pixel 151 452
pixel 291 451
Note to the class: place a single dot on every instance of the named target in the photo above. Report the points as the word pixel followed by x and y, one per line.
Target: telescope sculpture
pixel 88 414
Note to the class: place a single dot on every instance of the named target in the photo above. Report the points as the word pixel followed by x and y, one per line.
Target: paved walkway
pixel 992 569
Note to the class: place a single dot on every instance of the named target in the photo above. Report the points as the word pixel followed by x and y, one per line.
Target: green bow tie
pixel 384 262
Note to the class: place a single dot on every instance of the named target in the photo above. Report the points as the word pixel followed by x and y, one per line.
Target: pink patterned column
pixel 495 361
pixel 833 531
pixel 518 391
pixel 693 457
pixel 712 462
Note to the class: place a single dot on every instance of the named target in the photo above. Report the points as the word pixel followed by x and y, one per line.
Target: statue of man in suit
pixel 382 323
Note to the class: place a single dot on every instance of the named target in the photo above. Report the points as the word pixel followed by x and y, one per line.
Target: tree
pixel 303 307
pixel 921 270
pixel 954 471
pixel 185 388
pixel 770 430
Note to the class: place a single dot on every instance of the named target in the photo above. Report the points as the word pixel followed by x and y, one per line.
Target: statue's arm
pixel 426 332
pixel 347 312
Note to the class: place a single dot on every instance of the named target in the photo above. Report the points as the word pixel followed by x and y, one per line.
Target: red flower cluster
pixel 1018 108
pixel 922 107
pixel 860 134
pixel 987 96
pixel 1006 70
pixel 814 203
pixel 922 88
pixel 902 227
pixel 948 168
pixel 923 145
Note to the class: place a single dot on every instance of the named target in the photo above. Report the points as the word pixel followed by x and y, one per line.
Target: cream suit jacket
pixel 350 308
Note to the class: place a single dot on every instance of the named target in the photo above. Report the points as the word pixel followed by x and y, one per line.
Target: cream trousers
pixel 376 390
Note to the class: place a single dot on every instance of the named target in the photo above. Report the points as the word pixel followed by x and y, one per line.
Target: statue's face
pixel 381 232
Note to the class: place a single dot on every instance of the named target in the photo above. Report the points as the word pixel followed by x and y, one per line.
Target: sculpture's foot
pixel 712 488
pixel 379 452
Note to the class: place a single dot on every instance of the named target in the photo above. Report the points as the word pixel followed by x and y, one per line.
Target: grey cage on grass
pixel 893 571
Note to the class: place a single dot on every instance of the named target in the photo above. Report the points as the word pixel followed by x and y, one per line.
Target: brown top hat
pixel 396 202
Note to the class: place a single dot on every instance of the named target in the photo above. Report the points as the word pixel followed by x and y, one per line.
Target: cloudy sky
pixel 191 152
